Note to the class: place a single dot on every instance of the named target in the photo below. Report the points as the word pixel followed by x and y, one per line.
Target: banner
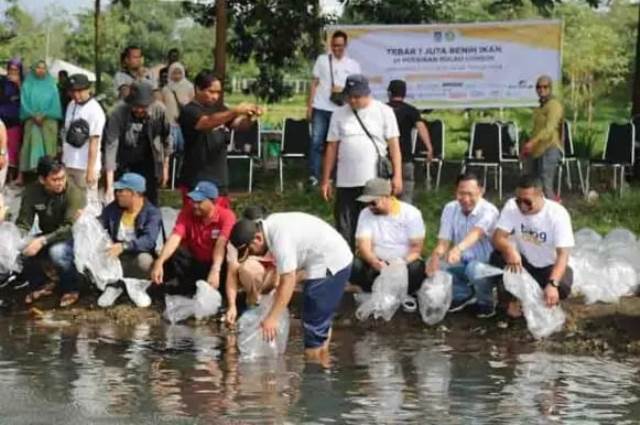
pixel 478 65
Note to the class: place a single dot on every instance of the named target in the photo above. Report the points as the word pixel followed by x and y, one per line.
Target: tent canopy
pixel 58 65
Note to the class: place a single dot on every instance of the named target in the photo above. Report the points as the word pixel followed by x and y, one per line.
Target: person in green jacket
pixel 57 203
pixel 543 151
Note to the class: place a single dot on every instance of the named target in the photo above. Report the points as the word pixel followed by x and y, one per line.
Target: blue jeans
pixel 466 284
pixel 178 139
pixel 320 120
pixel 60 255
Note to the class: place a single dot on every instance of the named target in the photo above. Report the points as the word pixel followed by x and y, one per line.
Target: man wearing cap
pixel 138 140
pixel 83 126
pixel 330 72
pixel 408 118
pixel 300 242
pixel 133 224
pixel 360 133
pixel 196 248
pixel 388 230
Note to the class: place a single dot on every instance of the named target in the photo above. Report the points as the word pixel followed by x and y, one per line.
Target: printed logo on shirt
pixel 40 207
pixel 532 236
pixel 215 233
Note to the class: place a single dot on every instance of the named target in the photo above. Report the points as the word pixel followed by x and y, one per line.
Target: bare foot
pixel 514 310
pixel 69 298
pixel 45 291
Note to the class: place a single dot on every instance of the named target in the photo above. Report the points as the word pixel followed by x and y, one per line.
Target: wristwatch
pixel 554 283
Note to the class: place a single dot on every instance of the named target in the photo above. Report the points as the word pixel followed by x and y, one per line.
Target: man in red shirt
pixel 196 248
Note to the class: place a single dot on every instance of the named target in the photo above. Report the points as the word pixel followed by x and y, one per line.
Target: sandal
pixel 45 291
pixel 69 298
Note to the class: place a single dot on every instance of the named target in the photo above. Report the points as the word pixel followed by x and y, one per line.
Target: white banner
pixel 479 65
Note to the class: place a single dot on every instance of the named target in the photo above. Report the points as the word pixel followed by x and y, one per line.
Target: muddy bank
pixel 589 329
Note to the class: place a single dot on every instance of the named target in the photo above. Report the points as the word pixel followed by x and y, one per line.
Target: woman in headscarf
pixel 10 112
pixel 178 92
pixel 40 110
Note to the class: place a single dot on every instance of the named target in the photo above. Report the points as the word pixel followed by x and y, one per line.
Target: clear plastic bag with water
pixel 434 297
pixel 205 303
pixel 542 320
pixel 387 293
pixel 90 245
pixel 251 342
pixel 11 244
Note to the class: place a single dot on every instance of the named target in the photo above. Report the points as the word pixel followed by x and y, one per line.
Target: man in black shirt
pixel 408 118
pixel 206 123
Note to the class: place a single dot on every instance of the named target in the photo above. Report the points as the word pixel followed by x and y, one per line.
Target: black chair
pixel 569 157
pixel 619 152
pixel 485 150
pixel 296 139
pixel 245 145
pixel 437 134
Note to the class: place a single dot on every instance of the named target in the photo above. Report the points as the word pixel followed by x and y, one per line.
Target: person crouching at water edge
pixel 300 241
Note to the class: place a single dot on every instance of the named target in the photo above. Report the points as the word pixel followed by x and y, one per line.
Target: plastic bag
pixel 90 245
pixel 434 297
pixel 587 236
pixel 620 235
pixel 542 321
pixel 251 342
pixel 12 202
pixel 206 302
pixel 169 217
pixel 388 291
pixel 10 247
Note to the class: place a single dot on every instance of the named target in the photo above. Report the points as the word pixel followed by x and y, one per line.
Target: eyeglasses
pixel 526 202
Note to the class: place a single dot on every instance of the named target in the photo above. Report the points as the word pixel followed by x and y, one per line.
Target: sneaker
pixel 409 304
pixel 484 311
pixel 461 304
pixel 109 296
pixel 137 291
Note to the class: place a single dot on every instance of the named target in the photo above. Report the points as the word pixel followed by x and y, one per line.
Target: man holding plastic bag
pixel 535 234
pixel 300 241
pixel 464 242
pixel 388 230
pixel 56 203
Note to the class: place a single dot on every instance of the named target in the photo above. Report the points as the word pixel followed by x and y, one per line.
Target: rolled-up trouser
pixel 137 264
pixel 320 120
pixel 540 274
pixel 58 254
pixel 363 275
pixel 545 167
pixel 321 298
pixel 346 211
pixel 408 182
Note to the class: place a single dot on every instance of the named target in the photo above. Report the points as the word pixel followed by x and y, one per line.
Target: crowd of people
pixel 360 145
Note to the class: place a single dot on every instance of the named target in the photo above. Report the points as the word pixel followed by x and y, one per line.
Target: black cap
pixel 79 82
pixel 242 234
pixel 357 85
pixel 141 94
pixel 397 88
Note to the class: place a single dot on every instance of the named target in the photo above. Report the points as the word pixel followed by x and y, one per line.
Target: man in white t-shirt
pixel 357 153
pixel 388 229
pixel 543 236
pixel 329 75
pixel 300 242
pixel 464 242
pixel 83 127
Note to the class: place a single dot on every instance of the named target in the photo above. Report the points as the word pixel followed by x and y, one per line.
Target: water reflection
pixel 181 373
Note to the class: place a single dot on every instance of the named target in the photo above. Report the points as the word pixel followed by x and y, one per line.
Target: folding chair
pixel 619 152
pixel 569 157
pixel 437 134
pixel 510 135
pixel 296 137
pixel 245 144
pixel 485 150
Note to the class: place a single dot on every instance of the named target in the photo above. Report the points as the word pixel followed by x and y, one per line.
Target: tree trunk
pixel 96 45
pixel 590 102
pixel 635 109
pixel 221 39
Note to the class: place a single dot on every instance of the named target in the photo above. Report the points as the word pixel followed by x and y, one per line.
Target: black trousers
pixel 183 270
pixel 363 275
pixel 346 211
pixel 541 275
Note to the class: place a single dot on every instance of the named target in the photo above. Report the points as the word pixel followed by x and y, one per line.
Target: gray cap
pixel 357 85
pixel 374 189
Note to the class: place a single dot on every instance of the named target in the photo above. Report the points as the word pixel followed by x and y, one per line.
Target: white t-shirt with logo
pixel 537 236
pixel 357 157
pixel 390 234
pixel 341 70
pixel 92 112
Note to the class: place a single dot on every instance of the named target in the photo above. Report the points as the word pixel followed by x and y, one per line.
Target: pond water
pixel 102 374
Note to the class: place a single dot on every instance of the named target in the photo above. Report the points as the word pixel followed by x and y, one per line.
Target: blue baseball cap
pixel 131 181
pixel 204 190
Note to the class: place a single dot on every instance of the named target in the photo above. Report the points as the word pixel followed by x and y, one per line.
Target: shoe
pixel 312 182
pixel 409 304
pixel 459 305
pixel 137 291
pixel 109 296
pixel 484 311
